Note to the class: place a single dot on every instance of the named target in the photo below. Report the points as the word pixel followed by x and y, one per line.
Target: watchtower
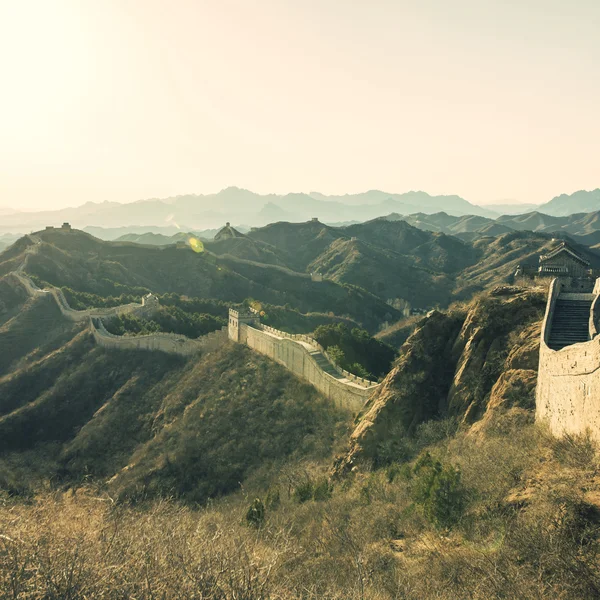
pixel 237 319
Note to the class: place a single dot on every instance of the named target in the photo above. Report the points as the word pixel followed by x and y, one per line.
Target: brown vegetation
pixel 527 527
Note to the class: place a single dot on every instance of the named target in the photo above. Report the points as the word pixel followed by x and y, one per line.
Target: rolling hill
pixel 365 265
pixel 79 261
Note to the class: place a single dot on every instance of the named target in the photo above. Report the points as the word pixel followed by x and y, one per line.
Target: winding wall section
pixel 303 357
pixel 165 342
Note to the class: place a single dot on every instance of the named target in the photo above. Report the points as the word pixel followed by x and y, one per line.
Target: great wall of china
pixel 300 354
pixel 303 356
pixel 165 342
pixel 568 388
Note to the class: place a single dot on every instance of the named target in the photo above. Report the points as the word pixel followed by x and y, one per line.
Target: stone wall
pixel 165 342
pixel 148 306
pixel 568 387
pixel 298 360
pixel 297 353
pixel 316 346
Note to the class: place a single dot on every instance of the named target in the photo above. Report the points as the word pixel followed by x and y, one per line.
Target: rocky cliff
pixel 465 363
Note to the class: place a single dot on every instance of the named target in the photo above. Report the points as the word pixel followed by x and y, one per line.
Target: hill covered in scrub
pixel 85 264
pixel 223 475
pixel 70 411
pixel 368 268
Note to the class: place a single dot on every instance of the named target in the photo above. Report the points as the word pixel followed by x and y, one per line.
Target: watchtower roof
pixel 566 249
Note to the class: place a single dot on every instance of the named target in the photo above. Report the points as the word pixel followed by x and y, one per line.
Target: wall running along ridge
pixel 568 387
pixel 146 308
pixel 299 354
pixel 165 342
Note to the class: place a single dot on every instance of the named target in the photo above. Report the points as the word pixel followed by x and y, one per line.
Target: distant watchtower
pixel 237 319
pixel 66 227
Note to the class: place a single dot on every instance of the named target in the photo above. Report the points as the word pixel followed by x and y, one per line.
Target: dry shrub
pixel 366 539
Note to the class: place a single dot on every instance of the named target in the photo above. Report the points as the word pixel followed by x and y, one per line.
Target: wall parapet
pixel 172 343
pixel 568 386
pixel 301 354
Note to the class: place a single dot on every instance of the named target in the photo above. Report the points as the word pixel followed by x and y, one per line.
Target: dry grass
pixel 530 530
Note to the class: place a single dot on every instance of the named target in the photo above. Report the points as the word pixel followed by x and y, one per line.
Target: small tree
pixel 255 517
pixel 336 354
pixel 359 370
pixel 439 490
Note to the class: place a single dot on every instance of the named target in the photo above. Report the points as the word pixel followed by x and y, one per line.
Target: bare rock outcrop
pixel 470 364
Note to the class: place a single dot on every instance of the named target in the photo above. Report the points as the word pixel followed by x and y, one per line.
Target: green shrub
pixel 304 491
pixel 273 499
pixel 255 516
pixel 438 489
pixel 322 490
pixel 336 354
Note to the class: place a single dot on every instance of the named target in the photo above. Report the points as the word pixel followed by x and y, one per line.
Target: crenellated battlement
pixel 302 355
pixel 165 342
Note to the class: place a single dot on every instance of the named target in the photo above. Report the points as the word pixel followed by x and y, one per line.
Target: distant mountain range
pixel 583 227
pixel 246 208
pixel 579 202
pixel 200 212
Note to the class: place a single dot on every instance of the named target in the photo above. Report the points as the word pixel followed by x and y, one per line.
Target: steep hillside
pixel 247 249
pixel 83 263
pixel 500 257
pixel 385 272
pixel 464 364
pixel 152 239
pixel 435 251
pixel 71 410
pixel 299 243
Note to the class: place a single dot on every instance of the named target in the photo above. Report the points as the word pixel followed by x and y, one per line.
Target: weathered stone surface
pixel 568 390
pixel 415 389
pixel 475 367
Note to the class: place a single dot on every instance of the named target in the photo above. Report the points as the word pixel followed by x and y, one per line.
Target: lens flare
pixel 195 244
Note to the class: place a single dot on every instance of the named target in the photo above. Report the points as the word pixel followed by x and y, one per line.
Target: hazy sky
pixel 129 99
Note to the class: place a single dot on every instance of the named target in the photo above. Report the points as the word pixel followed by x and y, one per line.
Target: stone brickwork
pixel 150 303
pixel 304 357
pixel 568 388
pixel 165 342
